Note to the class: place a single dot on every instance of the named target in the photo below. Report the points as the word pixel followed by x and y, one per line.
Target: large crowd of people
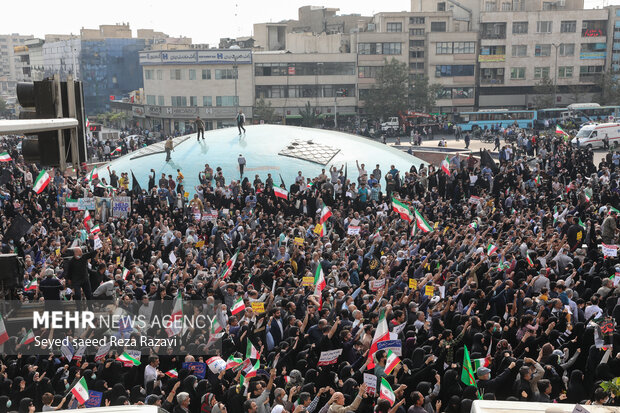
pixel 511 269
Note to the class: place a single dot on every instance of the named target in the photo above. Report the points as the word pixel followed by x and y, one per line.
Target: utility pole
pixel 555 75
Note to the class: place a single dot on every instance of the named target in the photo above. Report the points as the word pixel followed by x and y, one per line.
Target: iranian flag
pixel 28 338
pixel 484 362
pixel 117 149
pixel 386 392
pixel 251 373
pixel 560 131
pixel 229 266
pixel 279 192
pixel 538 180
pixel 310 185
pixel 391 362
pixel 473 225
pixel 325 213
pixel 402 209
pixel 319 280
pixel 491 249
pixel 233 362
pixel 88 220
pixel 80 391
pixel 32 285
pixel 612 209
pixel 95 229
pixel 588 193
pixel 87 123
pixel 126 358
pixel 176 317
pixel 581 224
pixel 41 182
pixel 529 260
pixel 421 223
pixel 251 352
pixel 93 174
pixel 4 336
pixel 173 374
pixel 5 157
pixel 445 166
pixel 71 204
pixel 381 334
pixel 238 306
pixel 125 273
pixel 216 327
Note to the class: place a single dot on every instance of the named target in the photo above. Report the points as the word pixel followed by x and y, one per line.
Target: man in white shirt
pixel 151 373
pixel 593 310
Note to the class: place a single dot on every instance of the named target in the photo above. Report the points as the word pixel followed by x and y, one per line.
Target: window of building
pixel 441 6
pixel 618 13
pixel 416 43
pixel 517 73
pixel 148 74
pixel 416 20
pixel 150 100
pixel 444 48
pixel 206 74
pixel 565 71
pixel 416 65
pixel 493 30
pixel 593 47
pixel 519 50
pixel 493 50
pixel 193 100
pixel 455 47
pixel 438 26
pixel 506 7
pixel 176 74
pixel 416 54
pixel 567 49
pixel 392 48
pixel 594 28
pixel 224 74
pixel 192 75
pixel 568 26
pixel 463 93
pixel 160 100
pixel 160 75
pixel 368 72
pixel 416 32
pixel 542 50
pixel 541 72
pixel 226 100
pixel 178 100
pixel 207 101
pixel 394 27
pixel 454 70
pixel 543 26
pixel 489 6
pixel 518 5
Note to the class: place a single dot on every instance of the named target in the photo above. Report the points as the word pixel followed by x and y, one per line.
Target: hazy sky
pixel 203 21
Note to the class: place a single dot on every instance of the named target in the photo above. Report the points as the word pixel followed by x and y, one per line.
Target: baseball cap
pixel 483 371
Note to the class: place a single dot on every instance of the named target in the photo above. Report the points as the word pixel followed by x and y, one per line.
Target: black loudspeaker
pixel 11 271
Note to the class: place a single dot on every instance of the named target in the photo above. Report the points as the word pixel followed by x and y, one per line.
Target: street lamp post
pixel 335 111
pixel 236 75
pixel 555 75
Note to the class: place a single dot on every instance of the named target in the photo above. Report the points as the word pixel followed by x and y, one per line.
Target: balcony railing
pixel 490 35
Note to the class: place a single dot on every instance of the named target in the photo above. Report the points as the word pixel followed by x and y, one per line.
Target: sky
pixel 201 20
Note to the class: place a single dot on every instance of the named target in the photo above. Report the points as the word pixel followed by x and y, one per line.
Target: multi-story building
pixel 613 36
pixel 10 69
pixel 180 85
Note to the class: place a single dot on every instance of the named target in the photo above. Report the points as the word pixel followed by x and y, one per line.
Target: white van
pixel 592 136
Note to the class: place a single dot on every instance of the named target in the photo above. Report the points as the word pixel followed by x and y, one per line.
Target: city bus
pixel 502 118
pixel 592 112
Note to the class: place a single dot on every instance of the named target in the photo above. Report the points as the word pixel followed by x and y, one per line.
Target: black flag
pixel 19 227
pixel 487 160
pixel 135 186
pixel 282 182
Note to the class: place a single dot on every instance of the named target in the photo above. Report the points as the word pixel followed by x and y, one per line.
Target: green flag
pixel 467 376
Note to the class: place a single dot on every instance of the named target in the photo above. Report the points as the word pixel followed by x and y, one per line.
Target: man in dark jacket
pixel 50 287
pixel 77 274
pixel 488 385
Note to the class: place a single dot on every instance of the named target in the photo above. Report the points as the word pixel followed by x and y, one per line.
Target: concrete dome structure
pixel 274 149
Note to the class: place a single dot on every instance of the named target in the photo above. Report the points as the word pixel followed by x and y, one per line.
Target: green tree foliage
pixel 423 94
pixel 264 111
pixel 309 115
pixel 608 89
pixel 544 91
pixel 390 93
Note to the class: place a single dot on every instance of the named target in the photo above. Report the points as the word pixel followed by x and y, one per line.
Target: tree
pixel 544 91
pixel 609 89
pixel 264 111
pixel 309 115
pixel 422 95
pixel 3 108
pixel 389 94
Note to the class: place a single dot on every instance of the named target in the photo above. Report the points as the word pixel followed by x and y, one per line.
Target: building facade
pixel 11 70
